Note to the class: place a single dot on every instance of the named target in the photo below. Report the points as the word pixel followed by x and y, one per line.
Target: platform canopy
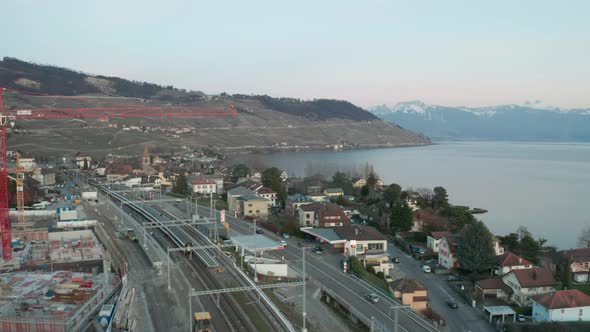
pixel 256 242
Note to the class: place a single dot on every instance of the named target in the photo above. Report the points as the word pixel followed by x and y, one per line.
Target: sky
pixel 456 53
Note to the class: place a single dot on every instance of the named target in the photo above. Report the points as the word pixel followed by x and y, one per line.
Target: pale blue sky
pixel 369 52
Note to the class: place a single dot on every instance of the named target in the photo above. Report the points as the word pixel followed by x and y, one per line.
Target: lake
pixel 542 186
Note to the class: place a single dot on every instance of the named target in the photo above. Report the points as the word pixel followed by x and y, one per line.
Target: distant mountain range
pixel 532 121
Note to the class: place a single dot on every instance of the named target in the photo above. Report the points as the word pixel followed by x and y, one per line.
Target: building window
pixel 249 204
pixel 257 211
pixel 562 311
pixel 249 211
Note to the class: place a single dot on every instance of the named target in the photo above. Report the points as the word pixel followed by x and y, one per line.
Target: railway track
pixel 181 236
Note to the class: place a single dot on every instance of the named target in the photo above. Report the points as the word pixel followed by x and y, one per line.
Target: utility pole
pixel 304 329
pixel 168 253
pixel 255 255
pixel 190 310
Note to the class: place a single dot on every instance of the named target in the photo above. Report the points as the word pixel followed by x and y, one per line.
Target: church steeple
pixel 146 158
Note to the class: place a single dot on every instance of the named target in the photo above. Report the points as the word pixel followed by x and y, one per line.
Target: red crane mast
pixel 118 109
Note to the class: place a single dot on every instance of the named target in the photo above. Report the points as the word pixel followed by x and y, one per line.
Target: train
pixel 202 322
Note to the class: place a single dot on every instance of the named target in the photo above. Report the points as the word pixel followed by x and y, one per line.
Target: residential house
pixel 319 197
pixel 410 292
pixel 80 160
pixel 119 172
pixel 425 219
pixel 333 192
pixel 268 194
pixel 364 242
pixel 358 182
pixel 294 202
pixel 493 288
pixel 447 252
pixel 529 282
pixel 253 207
pixel 235 193
pixel 569 305
pixel 498 249
pixel 322 215
pixel 508 262
pixel 579 263
pixel 204 186
pixel 433 239
pixel 284 176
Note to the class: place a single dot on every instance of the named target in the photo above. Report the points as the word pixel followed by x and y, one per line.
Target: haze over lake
pixel 543 186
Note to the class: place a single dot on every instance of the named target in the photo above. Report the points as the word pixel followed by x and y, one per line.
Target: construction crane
pixel 119 109
pixel 19 180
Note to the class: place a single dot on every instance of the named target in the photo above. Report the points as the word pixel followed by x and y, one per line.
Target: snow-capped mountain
pixel 531 121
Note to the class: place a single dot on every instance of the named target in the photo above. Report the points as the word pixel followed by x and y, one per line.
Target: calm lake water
pixel 542 186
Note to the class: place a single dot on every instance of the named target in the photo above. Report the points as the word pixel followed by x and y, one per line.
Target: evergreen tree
pixel 440 198
pixel 271 178
pixel 392 194
pixel 400 217
pixel 240 171
pixel 181 185
pixel 567 274
pixel 85 167
pixel 341 180
pixel 475 252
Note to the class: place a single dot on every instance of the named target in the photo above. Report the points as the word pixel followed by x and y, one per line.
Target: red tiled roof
pixel 535 277
pixel 493 283
pixel 406 285
pixel 359 232
pixel 570 298
pixel 510 259
pixel 440 235
pixel 577 255
pixel 265 190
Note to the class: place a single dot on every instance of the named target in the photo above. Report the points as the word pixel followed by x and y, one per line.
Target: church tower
pixel 146 158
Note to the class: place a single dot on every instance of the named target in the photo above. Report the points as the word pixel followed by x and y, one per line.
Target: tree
pixel 584 237
pixel 529 248
pixel 567 274
pixel 541 241
pixel 240 171
pixel 440 198
pixel 475 252
pixel 509 242
pixel 392 194
pixel 290 227
pixel 271 178
pixel 400 218
pixel 180 185
pixel 341 180
pixel 85 167
pixel 372 184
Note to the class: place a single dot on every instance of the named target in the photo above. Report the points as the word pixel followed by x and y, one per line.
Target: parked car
pixel 317 250
pixel 395 259
pixel 259 231
pixel 372 297
pixel 426 269
pixel 453 278
pixel 452 304
pixel 521 318
pixel 283 243
pixel 285 235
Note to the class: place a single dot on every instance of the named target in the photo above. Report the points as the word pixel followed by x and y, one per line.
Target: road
pixel 463 319
pixel 350 288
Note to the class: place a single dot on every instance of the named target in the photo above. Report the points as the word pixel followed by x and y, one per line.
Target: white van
pixel 426 269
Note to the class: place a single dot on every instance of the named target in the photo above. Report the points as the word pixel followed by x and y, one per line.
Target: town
pixel 118 243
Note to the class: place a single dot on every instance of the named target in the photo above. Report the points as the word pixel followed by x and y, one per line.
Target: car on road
pixel 285 235
pixel 372 297
pixel 453 278
pixel 395 259
pixel 426 269
pixel 317 250
pixel 452 304
pixel 259 231
pixel 283 243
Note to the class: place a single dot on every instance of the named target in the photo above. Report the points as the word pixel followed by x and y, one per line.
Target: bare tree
pixel 584 238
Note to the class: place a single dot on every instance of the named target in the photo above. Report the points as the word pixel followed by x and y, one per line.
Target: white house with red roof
pixel 569 305
pixel 529 282
pixel 433 239
pixel 579 263
pixel 510 261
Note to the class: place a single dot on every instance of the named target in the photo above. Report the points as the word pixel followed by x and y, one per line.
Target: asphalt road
pixel 463 319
